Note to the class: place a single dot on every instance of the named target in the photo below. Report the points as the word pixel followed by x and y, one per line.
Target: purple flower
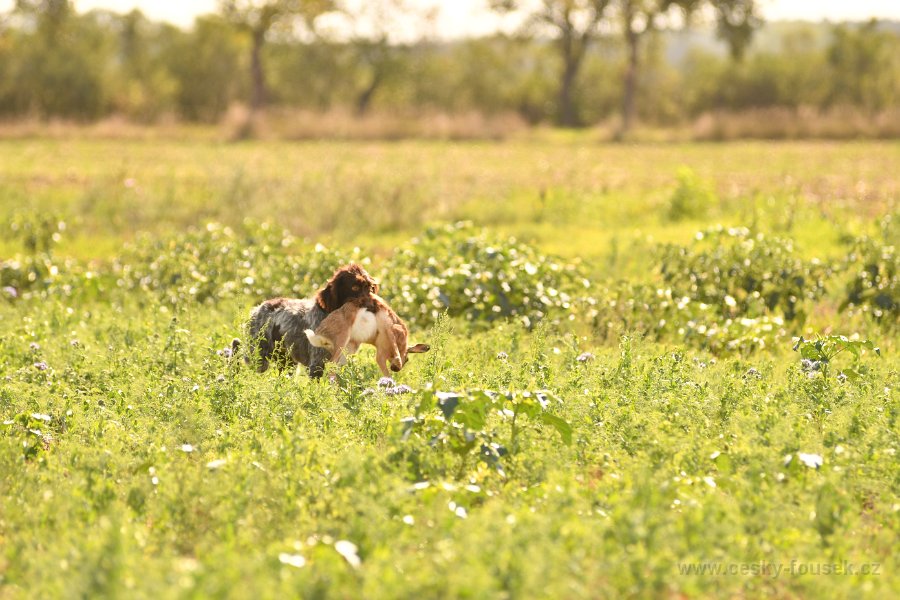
pixel 41 366
pixel 225 352
pixel 502 356
pixel 75 343
pixel 398 389
pixel 584 357
pixel 11 291
pixel 34 346
pixel 386 382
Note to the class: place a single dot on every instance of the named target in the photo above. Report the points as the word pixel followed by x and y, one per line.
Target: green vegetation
pixel 319 71
pixel 612 398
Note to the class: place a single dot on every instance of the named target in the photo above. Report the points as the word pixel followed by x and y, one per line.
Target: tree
pixel 258 18
pixel 575 24
pixel 864 66
pixel 377 33
pixel 59 58
pixel 736 20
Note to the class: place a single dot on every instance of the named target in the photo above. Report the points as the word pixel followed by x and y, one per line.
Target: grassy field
pixel 653 434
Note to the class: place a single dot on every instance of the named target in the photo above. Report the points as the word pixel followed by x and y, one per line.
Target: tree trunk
pixel 572 53
pixel 568 115
pixel 365 97
pixel 631 72
pixel 258 78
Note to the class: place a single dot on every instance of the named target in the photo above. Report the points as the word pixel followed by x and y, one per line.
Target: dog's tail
pixel 319 341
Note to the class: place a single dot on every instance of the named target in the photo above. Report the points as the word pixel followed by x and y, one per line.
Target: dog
pixel 277 327
pixel 366 321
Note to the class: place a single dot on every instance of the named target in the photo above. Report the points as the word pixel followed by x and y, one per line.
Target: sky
pixel 458 18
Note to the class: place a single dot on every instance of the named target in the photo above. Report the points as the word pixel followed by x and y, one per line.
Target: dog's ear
pixel 418 349
pixel 327 298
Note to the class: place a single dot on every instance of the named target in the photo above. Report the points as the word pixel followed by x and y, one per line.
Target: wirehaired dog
pixel 276 327
pixel 366 321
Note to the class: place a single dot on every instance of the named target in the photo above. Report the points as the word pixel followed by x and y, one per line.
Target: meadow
pixel 657 370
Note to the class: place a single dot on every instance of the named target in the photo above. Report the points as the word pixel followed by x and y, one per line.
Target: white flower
pixel 293 560
pixel 349 551
pixel 813 461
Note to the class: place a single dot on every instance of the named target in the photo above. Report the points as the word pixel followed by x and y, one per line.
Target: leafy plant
pixel 32 431
pixel 693 197
pixel 738 273
pixel 818 355
pixel 875 286
pixel 470 274
pixel 482 422
pixel 218 262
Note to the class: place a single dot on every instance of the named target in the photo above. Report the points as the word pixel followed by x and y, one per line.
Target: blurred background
pixel 384 69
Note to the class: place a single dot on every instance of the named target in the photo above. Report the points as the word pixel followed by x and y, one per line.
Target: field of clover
pixel 578 429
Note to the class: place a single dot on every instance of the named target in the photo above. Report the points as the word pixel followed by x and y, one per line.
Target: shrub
pixel 37 271
pixel 743 275
pixel 875 285
pixel 693 197
pixel 216 262
pixel 464 271
pixel 658 315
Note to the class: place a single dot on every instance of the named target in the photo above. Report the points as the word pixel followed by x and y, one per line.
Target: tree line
pixel 568 62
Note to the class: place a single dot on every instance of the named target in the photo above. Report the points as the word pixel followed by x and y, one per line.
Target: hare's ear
pixel 418 349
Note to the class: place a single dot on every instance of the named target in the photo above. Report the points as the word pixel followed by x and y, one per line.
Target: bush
pixel 743 275
pixel 658 315
pixel 216 263
pixel 37 271
pixel 461 270
pixel 874 289
pixel 693 197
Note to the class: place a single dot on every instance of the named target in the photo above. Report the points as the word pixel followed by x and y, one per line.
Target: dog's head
pixel 348 282
pixel 401 336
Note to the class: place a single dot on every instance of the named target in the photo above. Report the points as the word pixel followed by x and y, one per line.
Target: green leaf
pixel 560 425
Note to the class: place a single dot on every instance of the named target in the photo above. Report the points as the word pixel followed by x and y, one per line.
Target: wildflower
pixel 810 366
pixel 813 461
pixel 386 382
pixel 397 390
pixel 502 356
pixel 34 346
pixel 584 357
pixel 10 291
pixel 41 366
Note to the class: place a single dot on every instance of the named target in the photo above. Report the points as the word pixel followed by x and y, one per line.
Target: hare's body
pixel 365 321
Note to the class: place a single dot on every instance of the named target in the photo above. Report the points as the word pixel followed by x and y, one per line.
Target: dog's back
pixel 276 332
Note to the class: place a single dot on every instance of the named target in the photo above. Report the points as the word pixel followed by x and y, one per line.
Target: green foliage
pixel 693 197
pixel 738 273
pixel 217 263
pixel 58 63
pixel 31 432
pixel 159 453
pixel 481 278
pixel 37 270
pixel 481 423
pixel 819 354
pixel 875 285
